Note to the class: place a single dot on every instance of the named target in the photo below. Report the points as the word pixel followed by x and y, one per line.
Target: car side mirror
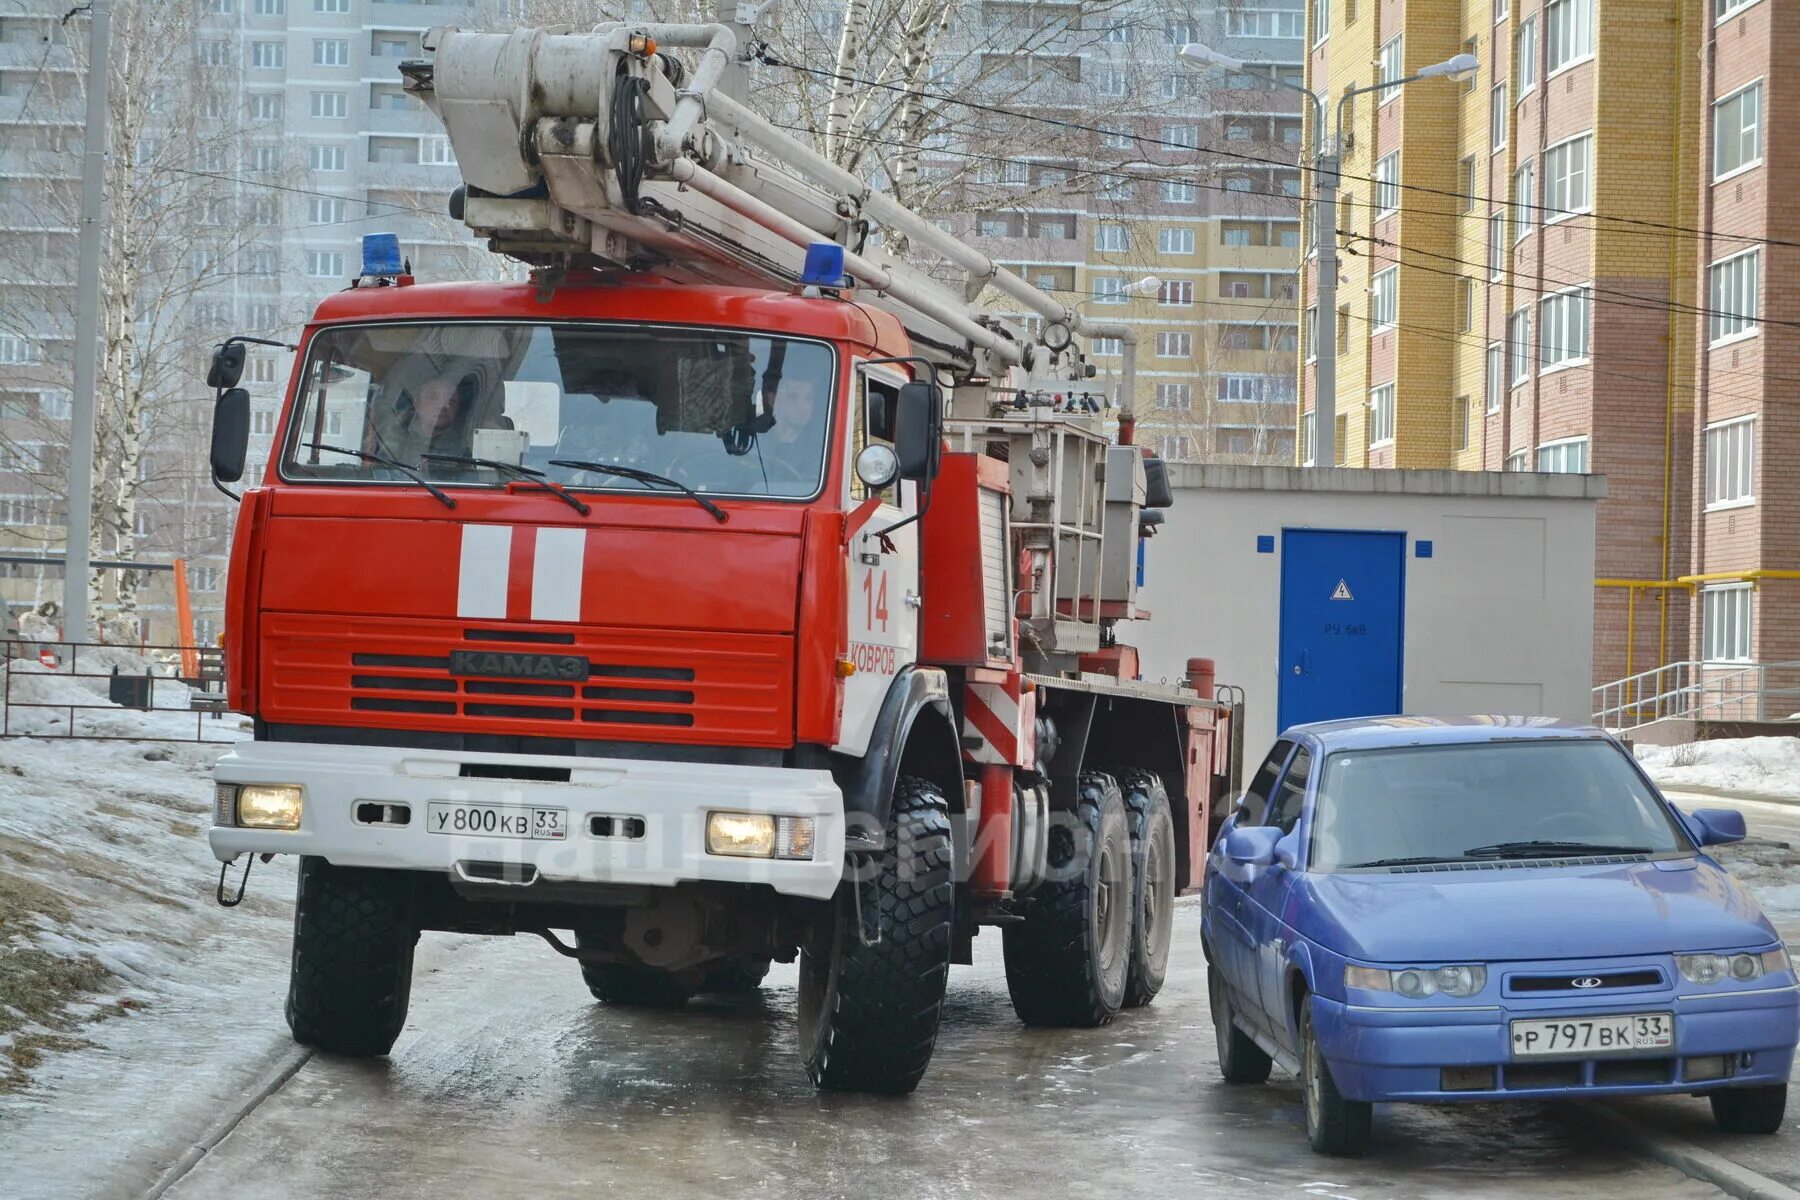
pixel 227 365
pixel 230 434
pixel 1716 826
pixel 1287 850
pixel 918 429
pixel 1253 847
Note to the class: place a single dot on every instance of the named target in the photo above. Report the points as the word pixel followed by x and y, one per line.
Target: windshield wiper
pixel 643 476
pixel 1419 860
pixel 1540 848
pixel 385 461
pixel 528 474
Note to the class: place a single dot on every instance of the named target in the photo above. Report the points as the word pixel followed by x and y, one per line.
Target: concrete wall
pixel 1499 619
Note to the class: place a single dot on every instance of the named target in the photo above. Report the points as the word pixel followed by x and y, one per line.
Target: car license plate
pixel 498 820
pixel 1630 1033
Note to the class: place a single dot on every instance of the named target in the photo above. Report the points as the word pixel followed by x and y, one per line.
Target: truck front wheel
pixel 354 934
pixel 869 1012
pixel 1067 961
pixel 1153 883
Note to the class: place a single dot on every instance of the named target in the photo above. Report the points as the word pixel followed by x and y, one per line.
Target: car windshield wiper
pixel 643 476
pixel 527 474
pixel 1540 848
pixel 385 461
pixel 1418 860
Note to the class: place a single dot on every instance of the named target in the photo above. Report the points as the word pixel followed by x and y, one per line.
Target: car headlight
pixel 1415 983
pixel 269 806
pixel 1711 968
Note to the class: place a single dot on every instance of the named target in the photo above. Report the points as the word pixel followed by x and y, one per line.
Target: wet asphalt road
pixel 509 1080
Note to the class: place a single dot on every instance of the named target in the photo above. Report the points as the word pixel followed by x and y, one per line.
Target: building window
pixel 1175 447
pixel 330 104
pixel 1725 623
pixel 268 55
pixel 1518 337
pixel 437 151
pixel 1497 111
pixel 1116 139
pixel 1524 198
pixel 1240 389
pixel 1237 131
pixel 324 264
pixel 1724 8
pixel 16 350
pixel 1121 34
pixel 1563 329
pixel 325 158
pixel 1387 184
pixel 1568 32
pixel 1180 33
pixel 1731 463
pixel 1321 20
pixel 1109 291
pixel 1496 244
pixel 1106 347
pixel 271 8
pixel 1731 287
pixel 1174 345
pixel 1567 457
pixel 1111 81
pixel 214 54
pixel 1176 292
pixel 1384 300
pixel 1500 11
pixel 1312 332
pixel 1567 188
pixel 1186 136
pixel 1391 67
pixel 1527 40
pixel 1174 191
pixel 1465 305
pixel 331 6
pixel 326 210
pixel 1112 237
pixel 1174 395
pixel 1737 131
pixel 1381 415
pixel 1518 460
pixel 1465 178
pixel 1175 241
pixel 1306 438
pixel 1459 423
pixel 331 52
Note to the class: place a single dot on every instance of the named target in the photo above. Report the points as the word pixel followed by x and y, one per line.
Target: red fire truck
pixel 728 592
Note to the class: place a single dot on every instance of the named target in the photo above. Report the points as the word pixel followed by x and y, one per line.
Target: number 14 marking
pixel 875 600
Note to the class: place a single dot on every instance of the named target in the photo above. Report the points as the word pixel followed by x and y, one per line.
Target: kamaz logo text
pixel 518 666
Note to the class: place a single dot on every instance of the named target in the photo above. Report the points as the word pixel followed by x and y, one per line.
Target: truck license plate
pixel 499 820
pixel 1630 1033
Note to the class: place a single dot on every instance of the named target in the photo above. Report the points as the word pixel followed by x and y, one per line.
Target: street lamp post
pixel 1324 224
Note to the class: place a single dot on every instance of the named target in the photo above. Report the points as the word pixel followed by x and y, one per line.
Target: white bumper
pixel 671 799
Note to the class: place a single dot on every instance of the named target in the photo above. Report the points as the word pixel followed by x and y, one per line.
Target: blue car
pixel 1443 909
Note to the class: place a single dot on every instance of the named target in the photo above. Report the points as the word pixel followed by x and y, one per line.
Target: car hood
pixel 1532 913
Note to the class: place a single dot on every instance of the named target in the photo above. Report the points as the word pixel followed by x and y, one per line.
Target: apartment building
pixel 1192 179
pixel 1523 286
pixel 305 127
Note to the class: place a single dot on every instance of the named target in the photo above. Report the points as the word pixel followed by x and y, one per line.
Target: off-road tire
pixel 1241 1060
pixel 1067 961
pixel 868 1015
pixel 1153 883
pixel 734 977
pixel 1334 1125
pixel 354 934
pixel 1750 1109
pixel 633 985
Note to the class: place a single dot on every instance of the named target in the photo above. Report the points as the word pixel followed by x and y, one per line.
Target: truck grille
pixel 644 685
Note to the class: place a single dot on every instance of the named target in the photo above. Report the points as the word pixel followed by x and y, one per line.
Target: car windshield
pixel 1484 801
pixel 723 413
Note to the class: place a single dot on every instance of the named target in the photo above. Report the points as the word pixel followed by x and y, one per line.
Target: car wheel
pixel 1334 1125
pixel 1241 1060
pixel 1750 1109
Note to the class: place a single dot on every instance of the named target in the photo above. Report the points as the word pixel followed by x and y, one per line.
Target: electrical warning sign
pixel 1341 591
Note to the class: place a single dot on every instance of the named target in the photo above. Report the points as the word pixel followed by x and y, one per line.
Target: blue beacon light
pixel 381 254
pixel 824 266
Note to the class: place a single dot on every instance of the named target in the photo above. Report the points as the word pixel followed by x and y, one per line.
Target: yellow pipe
pixel 1639 583
pixel 1737 576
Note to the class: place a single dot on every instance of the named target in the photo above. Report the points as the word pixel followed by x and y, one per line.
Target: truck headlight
pixel 1415 983
pixel 759 835
pixel 1711 968
pixel 269 806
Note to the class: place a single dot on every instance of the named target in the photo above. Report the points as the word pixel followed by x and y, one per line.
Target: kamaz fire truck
pixel 728 592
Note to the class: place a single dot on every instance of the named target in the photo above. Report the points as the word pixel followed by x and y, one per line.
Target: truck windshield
pixel 1484 801
pixel 726 413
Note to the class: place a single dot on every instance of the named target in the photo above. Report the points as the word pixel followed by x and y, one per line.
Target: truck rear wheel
pixel 869 1013
pixel 1153 883
pixel 735 977
pixel 354 934
pixel 632 985
pixel 1067 961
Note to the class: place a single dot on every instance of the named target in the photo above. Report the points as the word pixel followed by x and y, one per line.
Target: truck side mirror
pixel 919 429
pixel 231 433
pixel 227 365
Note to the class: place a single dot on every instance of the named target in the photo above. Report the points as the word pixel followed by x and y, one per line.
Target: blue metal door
pixel 1342 622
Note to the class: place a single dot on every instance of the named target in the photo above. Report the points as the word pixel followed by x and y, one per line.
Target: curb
pixel 1729 1177
pixel 285 1069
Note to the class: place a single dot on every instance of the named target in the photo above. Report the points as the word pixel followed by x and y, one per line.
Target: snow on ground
pixel 132 1007
pixel 1757 767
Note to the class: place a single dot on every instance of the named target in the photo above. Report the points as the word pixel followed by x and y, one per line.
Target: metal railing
pixel 103 692
pixel 1698 691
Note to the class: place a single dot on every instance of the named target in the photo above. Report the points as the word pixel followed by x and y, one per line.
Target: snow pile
pixel 1767 767
pixel 40 701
